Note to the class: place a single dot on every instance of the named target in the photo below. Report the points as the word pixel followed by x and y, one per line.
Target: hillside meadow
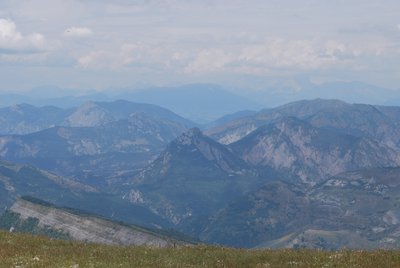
pixel 21 250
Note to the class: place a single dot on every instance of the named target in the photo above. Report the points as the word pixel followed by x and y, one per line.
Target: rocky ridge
pixel 87 228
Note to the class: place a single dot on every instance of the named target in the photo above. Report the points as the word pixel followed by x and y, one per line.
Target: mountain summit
pixel 194 175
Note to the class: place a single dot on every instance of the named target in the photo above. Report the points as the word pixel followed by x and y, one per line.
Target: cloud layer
pixel 179 41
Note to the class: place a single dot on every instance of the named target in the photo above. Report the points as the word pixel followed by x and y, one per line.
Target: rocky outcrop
pixel 87 228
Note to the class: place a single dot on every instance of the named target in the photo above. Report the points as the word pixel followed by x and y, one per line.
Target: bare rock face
pixel 311 153
pixel 89 114
pixel 87 228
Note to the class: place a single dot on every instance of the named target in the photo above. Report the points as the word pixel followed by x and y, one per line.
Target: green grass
pixel 20 250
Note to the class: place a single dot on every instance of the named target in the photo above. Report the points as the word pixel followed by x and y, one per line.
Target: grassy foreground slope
pixel 20 250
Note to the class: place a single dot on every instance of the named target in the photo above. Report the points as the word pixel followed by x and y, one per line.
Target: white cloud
pixel 209 60
pixel 9 36
pixel 282 53
pixel 299 54
pixel 398 26
pixel 128 55
pixel 115 57
pixel 187 57
pixel 340 51
pixel 90 59
pixel 37 40
pixel 13 42
pixel 275 55
pixel 78 32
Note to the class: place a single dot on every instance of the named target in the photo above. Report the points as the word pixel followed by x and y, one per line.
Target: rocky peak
pixel 88 115
pixel 289 127
pixel 316 104
pixel 194 143
pixel 192 136
pixel 139 118
pixel 290 122
pixel 20 108
pixel 88 105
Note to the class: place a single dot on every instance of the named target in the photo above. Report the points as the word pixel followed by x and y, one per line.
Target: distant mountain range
pixel 316 173
pixel 377 122
pixel 201 103
pixel 204 103
pixel 25 118
pixel 282 91
pixel 91 143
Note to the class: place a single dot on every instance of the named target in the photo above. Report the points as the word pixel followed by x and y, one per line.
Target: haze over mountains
pixel 201 103
pixel 204 103
pixel 316 173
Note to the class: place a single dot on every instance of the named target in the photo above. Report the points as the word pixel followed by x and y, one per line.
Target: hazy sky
pixel 103 44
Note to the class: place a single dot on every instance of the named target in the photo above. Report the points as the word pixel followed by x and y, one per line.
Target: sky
pixel 102 45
